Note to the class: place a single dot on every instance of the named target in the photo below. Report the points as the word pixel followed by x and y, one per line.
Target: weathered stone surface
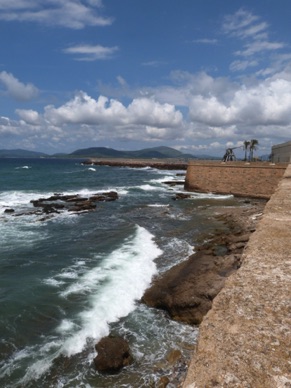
pixel 113 353
pixel 187 290
pixel 245 339
pixel 257 180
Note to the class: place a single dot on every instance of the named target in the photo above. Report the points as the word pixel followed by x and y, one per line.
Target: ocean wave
pixel 113 288
pixel 126 273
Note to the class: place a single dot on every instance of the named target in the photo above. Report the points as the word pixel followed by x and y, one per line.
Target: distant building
pixel 281 153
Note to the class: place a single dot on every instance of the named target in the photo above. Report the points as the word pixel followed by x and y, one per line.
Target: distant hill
pixel 18 153
pixel 156 152
pixel 103 152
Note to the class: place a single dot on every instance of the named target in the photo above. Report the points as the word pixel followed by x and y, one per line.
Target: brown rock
pixel 163 382
pixel 182 196
pixel 113 354
pixel 186 291
pixel 173 356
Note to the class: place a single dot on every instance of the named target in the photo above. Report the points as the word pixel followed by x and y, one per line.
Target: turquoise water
pixel 70 279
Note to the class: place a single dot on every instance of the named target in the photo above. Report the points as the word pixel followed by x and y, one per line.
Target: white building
pixel 281 153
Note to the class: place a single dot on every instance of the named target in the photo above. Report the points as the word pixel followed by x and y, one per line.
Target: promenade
pixel 245 339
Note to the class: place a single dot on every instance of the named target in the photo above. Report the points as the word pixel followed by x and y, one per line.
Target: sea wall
pixel 245 339
pixel 257 180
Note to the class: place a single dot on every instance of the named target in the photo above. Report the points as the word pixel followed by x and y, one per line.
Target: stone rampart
pixel 245 339
pixel 257 180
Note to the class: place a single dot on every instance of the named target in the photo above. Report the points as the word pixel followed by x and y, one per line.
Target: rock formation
pixel 113 353
pixel 186 291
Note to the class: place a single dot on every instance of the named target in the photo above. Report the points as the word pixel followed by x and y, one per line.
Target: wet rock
pixel 9 210
pixel 174 183
pixel 173 356
pixel 110 196
pixel 83 206
pixel 71 202
pixel 182 196
pixel 113 354
pixel 186 291
pixel 163 382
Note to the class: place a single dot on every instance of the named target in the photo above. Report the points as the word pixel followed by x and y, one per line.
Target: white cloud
pixel 206 41
pixel 238 23
pixel 266 103
pixel 16 89
pixel 90 52
pixel 29 116
pixel 121 80
pixel 259 46
pixel 75 14
pixel 84 109
pixel 254 35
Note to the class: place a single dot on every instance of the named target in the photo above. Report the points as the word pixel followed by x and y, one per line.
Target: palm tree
pixel 253 146
pixel 246 146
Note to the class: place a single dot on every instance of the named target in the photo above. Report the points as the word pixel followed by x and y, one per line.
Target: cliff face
pixel 242 179
pixel 245 339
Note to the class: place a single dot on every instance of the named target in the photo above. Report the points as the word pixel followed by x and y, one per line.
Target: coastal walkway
pixel 245 339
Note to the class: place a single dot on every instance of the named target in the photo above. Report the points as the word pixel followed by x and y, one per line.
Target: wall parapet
pixel 258 180
pixel 245 340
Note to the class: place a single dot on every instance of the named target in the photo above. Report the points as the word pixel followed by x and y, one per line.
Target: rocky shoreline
pixel 186 291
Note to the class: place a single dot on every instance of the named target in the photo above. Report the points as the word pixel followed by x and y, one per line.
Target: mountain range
pixel 102 152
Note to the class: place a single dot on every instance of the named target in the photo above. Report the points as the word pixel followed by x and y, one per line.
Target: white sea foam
pixel 178 250
pixel 126 272
pixel 68 275
pixel 53 282
pixel 23 167
pixel 158 205
pixel 148 187
pixel 65 326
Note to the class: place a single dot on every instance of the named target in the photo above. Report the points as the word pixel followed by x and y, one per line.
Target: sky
pixel 195 75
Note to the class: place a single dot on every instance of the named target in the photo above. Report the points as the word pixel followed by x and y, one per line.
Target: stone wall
pixel 281 152
pixel 245 339
pixel 257 180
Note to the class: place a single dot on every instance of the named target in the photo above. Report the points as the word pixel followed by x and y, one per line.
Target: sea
pixel 70 278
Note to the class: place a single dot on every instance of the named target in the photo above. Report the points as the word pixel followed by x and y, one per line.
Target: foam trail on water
pixel 127 272
pixel 114 286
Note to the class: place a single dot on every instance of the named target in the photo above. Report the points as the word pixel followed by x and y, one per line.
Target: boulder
pixel 9 210
pixel 113 353
pixel 182 196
